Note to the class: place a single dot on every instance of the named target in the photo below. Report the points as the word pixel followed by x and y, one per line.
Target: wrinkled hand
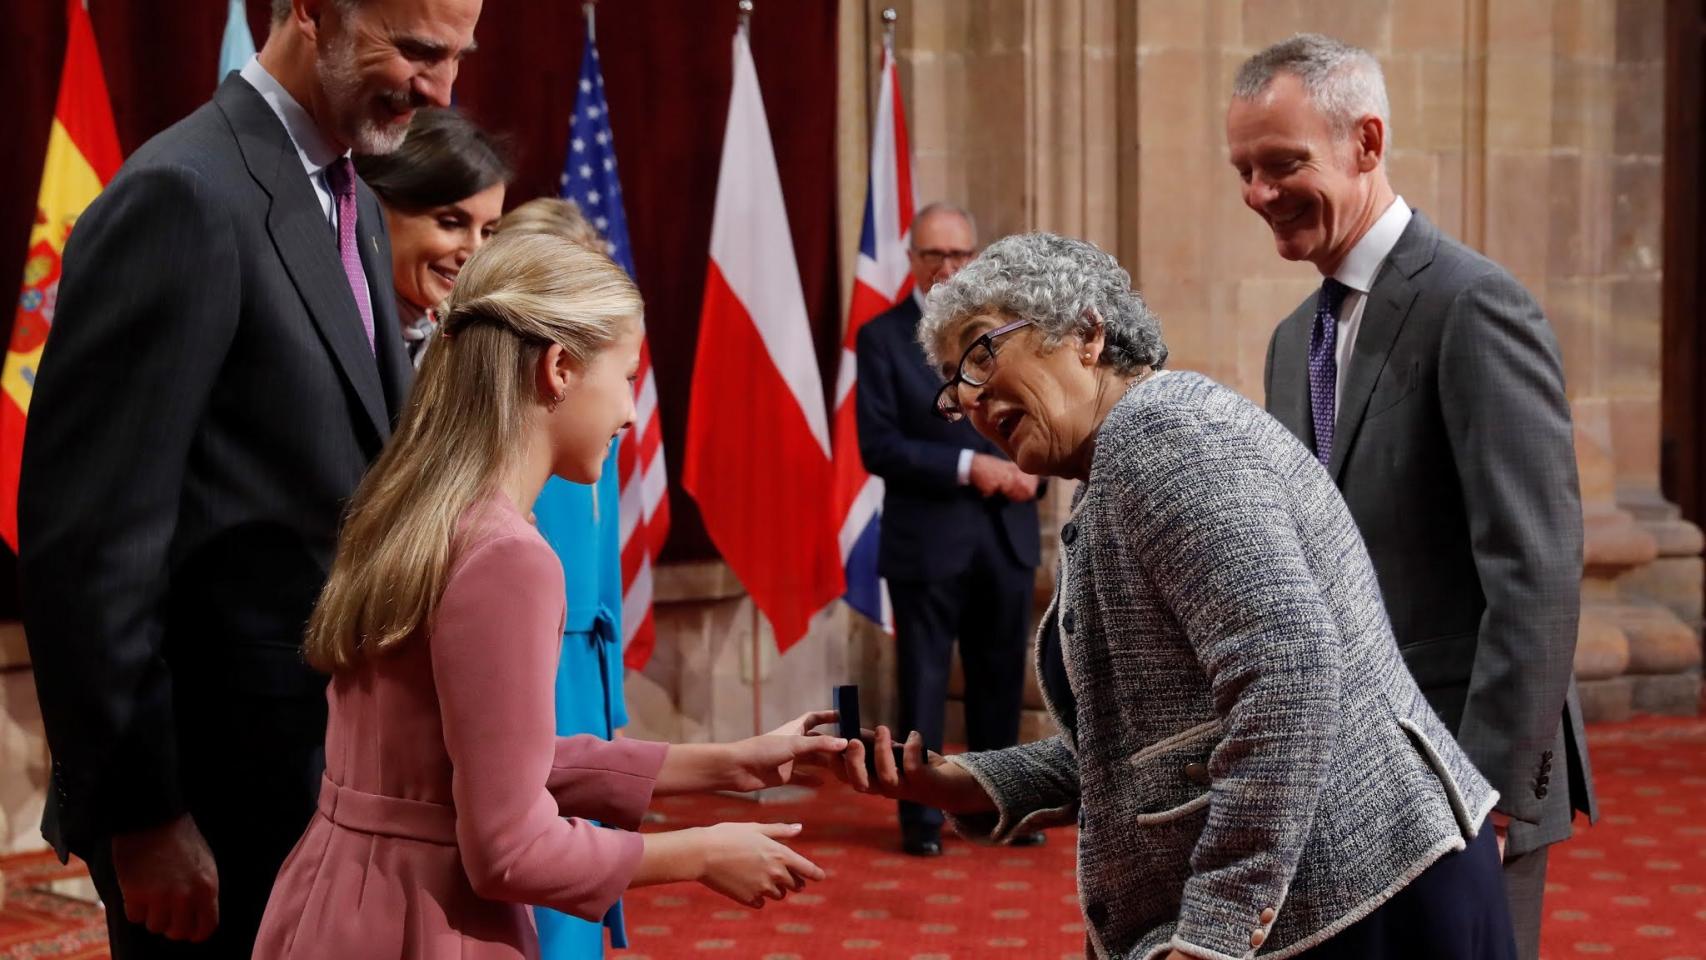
pixel 169 881
pixel 989 473
pixel 748 863
pixel 1020 486
pixel 776 757
pixel 925 778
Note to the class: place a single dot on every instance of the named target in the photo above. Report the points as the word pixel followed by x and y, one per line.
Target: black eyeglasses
pixel 976 366
pixel 934 256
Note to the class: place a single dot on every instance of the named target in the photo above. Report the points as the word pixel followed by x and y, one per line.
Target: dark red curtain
pixel 667 72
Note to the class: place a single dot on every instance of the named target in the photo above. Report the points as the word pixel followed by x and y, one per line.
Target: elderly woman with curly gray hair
pixel 1251 767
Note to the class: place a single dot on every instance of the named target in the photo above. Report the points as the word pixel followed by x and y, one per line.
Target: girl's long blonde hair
pixel 461 430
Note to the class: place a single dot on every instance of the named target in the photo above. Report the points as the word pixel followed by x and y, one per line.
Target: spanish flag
pixel 82 155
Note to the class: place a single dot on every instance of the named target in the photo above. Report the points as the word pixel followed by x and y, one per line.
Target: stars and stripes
pixel 590 180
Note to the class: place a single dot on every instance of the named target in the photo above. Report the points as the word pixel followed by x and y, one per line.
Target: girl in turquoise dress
pixel 581 524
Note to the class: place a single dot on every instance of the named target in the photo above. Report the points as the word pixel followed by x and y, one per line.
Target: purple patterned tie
pixel 1324 365
pixel 340 176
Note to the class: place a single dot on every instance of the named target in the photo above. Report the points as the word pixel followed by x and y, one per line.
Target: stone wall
pixel 1531 129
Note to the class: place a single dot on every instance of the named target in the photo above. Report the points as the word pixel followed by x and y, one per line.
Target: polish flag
pixel 757 460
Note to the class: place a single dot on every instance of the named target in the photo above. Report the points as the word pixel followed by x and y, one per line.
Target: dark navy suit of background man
pixel 959 541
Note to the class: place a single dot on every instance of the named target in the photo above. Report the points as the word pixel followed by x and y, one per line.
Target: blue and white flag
pixel 238 45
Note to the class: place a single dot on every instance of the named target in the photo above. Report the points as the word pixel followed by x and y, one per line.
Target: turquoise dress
pixel 583 524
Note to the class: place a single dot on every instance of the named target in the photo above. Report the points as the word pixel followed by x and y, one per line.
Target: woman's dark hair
pixel 444 159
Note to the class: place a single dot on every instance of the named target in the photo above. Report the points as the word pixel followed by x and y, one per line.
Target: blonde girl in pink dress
pixel 448 804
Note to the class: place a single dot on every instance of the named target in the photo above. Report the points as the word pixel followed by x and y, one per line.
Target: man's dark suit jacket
pixel 207 402
pixel 1453 448
pixel 931 523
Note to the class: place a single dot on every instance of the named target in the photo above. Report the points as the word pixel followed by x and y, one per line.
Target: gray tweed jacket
pixel 1247 736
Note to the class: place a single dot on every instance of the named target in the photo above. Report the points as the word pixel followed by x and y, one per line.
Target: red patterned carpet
pixel 1633 887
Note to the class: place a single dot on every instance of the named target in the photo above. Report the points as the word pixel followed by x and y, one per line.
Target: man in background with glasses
pixel 959 541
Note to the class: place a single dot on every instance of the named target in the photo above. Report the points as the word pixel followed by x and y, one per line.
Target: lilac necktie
pixel 1324 365
pixel 340 176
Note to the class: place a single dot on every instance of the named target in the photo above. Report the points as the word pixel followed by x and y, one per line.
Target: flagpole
pixel 587 12
pixel 757 615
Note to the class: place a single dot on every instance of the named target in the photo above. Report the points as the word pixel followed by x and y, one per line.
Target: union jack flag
pixel 882 278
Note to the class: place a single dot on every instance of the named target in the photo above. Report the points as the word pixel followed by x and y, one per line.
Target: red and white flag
pixel 882 278
pixel 757 460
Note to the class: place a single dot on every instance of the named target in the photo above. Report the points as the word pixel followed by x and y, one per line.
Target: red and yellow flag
pixel 82 155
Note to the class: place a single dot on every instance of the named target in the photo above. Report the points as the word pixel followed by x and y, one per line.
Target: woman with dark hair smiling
pixel 443 192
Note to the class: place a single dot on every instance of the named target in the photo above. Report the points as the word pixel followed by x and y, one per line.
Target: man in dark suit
pixel 959 540
pixel 1429 384
pixel 223 366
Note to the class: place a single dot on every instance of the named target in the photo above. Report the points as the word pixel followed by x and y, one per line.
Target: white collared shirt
pixel 311 145
pixel 1358 271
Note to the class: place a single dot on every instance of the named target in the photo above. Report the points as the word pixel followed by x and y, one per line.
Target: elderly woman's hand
pixel 924 777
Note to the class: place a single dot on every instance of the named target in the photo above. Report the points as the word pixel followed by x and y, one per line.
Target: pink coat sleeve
pixel 494 655
pixel 604 780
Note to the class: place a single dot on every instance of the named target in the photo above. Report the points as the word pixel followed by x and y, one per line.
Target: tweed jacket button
pixel 1540 792
pixel 1197 773
pixel 1268 915
pixel 1069 533
pixel 1258 937
pixel 1067 621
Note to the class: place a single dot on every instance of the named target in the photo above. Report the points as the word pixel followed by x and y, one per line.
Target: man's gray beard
pixel 341 82
pixel 372 138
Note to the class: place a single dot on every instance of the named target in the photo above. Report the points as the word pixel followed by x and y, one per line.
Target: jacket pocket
pixel 1172 776
pixel 1395 384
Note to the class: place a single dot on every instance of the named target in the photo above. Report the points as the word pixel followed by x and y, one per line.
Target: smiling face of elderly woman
pixel 1040 336
pixel 1039 402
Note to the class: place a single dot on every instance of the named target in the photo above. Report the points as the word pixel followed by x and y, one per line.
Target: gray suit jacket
pixel 1453 449
pixel 1247 735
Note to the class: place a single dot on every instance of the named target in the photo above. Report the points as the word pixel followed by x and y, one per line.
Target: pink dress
pixel 449 802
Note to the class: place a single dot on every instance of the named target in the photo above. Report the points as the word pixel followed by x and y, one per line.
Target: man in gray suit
pixel 1428 383
pixel 223 366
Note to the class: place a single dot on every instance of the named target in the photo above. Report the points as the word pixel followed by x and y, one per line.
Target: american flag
pixel 589 179
pixel 881 279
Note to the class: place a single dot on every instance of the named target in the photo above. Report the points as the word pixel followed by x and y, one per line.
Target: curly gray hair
pixel 1058 284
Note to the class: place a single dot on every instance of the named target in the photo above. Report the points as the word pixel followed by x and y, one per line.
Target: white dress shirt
pixel 311 145
pixel 1358 271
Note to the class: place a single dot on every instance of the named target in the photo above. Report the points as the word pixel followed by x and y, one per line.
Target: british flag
pixel 881 279
pixel 589 179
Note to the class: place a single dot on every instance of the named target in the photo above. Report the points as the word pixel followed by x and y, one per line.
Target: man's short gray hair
pixel 938 207
pixel 1059 284
pixel 1344 82
pixel 281 8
